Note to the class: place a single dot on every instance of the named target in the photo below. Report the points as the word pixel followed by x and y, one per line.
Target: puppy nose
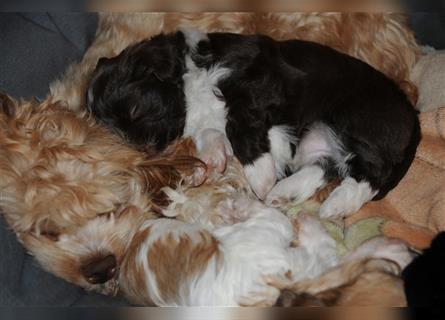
pixel 100 269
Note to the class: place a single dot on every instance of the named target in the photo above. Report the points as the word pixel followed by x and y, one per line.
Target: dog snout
pixel 100 269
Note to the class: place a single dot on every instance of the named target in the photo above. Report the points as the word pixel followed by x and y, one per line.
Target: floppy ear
pixel 7 105
pixel 169 168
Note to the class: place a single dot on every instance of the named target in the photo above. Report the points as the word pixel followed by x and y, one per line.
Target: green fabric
pixel 347 238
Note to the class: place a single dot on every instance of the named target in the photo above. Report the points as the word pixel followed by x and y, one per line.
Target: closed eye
pixel 134 112
pixel 218 94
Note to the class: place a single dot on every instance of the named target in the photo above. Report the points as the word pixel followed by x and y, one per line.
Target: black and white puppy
pixel 293 111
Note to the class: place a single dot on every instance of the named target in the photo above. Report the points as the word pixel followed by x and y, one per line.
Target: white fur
pixel 213 147
pixel 204 109
pixel 258 246
pixel 320 142
pixel 93 236
pixel 250 251
pixel 347 198
pixel 280 140
pixel 298 187
pixel 261 175
pixel 193 37
pixel 206 114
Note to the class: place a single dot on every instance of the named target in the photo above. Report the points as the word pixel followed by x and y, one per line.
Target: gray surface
pixel 37 47
pixel 430 28
pixel 34 49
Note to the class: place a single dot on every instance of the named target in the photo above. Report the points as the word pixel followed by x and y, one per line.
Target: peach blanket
pixel 415 210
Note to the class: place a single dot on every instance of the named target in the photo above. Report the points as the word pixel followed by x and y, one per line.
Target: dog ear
pixel 174 165
pixel 7 105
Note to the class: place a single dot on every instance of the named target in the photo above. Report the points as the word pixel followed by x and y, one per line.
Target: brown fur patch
pixel 132 278
pixel 175 261
pixel 60 166
pixel 322 194
pixel 60 170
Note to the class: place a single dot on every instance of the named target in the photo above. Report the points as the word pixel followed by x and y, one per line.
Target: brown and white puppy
pixel 222 248
pixel 59 169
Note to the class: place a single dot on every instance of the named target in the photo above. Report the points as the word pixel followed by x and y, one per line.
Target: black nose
pixel 100 269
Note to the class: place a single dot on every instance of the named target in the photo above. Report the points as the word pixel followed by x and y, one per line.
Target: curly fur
pixel 382 40
pixel 59 169
pixel 73 192
pixel 222 248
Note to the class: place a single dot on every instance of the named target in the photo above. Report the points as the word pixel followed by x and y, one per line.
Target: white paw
pixel 336 205
pixel 261 175
pixel 297 188
pixel 214 154
pixel 383 248
pixel 346 199
pixel 213 149
pixel 199 176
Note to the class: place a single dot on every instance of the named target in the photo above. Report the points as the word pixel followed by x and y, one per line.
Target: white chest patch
pixel 204 108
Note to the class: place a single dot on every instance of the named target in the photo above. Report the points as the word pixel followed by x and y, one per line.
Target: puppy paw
pixel 384 248
pixel 261 175
pixel 346 199
pixel 297 188
pixel 213 149
pixel 199 176
pixel 335 206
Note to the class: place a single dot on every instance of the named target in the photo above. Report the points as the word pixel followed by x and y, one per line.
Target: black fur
pixel 293 83
pixel 297 83
pixel 140 92
pixel 425 278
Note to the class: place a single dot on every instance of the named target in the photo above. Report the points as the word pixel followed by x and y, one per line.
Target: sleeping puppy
pixel 293 111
